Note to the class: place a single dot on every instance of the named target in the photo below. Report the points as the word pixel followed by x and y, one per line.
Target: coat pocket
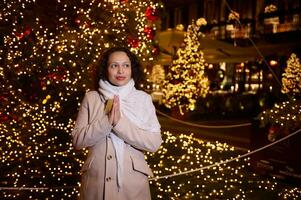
pixel 140 165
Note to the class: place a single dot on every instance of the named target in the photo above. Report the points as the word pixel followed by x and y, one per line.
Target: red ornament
pixel 151 14
pixel 25 33
pixel 133 42
pixel 273 129
pixel 155 51
pixel 123 1
pixel 2 99
pixel 274 133
pixel 3 117
pixel 149 32
pixel 59 75
pixel 77 21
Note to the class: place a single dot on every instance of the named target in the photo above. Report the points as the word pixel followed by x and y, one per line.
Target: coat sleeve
pixel 137 137
pixel 88 130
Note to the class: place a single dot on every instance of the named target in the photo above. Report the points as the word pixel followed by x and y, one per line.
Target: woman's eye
pixel 113 65
pixel 127 65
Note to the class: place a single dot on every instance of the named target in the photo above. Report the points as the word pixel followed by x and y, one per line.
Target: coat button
pixel 108 179
pixel 109 157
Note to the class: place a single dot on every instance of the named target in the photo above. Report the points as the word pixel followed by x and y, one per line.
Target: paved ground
pixel 237 136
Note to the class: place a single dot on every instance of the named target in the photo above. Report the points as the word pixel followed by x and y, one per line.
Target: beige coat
pixel 91 131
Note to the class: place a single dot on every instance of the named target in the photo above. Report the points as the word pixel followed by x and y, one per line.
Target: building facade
pixel 250 49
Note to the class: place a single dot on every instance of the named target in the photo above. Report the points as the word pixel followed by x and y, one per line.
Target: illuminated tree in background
pixel 286 115
pixel 157 76
pixel 291 80
pixel 49 50
pixel 186 80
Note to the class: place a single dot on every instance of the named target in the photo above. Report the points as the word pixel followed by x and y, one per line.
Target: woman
pixel 116 137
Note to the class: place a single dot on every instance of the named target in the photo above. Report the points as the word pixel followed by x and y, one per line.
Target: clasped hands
pixel 114 114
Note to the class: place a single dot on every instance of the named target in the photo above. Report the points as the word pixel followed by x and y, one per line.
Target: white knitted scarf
pixel 131 106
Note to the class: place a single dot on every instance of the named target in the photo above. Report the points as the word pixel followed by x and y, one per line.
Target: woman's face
pixel 119 68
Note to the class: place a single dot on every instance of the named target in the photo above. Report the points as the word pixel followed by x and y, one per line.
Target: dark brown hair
pixel 102 71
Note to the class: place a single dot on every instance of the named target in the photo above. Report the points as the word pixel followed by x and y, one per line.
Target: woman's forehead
pixel 118 54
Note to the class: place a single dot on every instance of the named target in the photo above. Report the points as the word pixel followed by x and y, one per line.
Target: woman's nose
pixel 120 69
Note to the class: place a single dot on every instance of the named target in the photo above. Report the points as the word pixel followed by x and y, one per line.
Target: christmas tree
pixel 285 115
pixel 157 76
pixel 49 52
pixel 186 80
pixel 291 81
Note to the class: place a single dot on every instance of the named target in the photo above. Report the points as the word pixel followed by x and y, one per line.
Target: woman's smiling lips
pixel 120 78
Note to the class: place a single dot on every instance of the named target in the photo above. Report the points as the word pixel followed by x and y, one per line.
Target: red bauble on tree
pixel 3 118
pixel 77 21
pixel 24 33
pixel 123 1
pixel 155 51
pixel 151 14
pixel 273 133
pixel 133 42
pixel 58 75
pixel 3 99
pixel 149 32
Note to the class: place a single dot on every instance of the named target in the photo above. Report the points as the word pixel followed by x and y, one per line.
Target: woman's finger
pixel 116 110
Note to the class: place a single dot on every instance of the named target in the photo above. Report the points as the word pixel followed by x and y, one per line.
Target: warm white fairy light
pixel 286 114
